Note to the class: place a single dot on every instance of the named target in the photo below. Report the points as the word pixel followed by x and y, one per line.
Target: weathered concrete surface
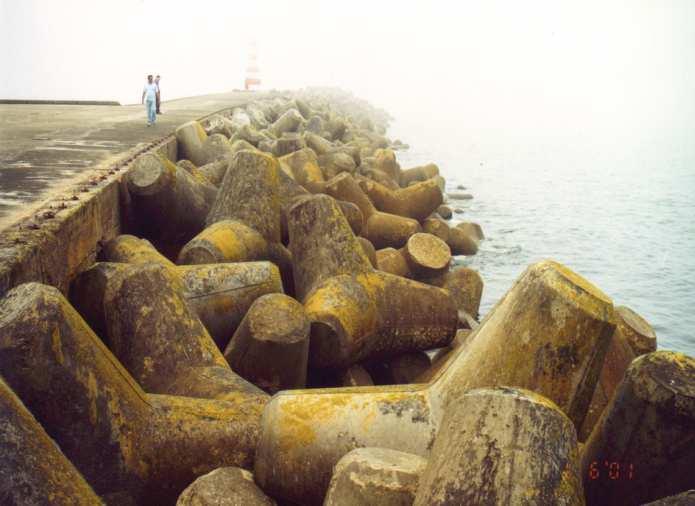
pixel 63 165
pixel 375 476
pixel 547 334
pixel 33 467
pixel 46 148
pixel 226 486
pixel 500 446
pixel 643 446
pixel 123 441
pixel 684 499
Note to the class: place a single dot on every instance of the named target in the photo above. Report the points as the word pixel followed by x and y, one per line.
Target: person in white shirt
pixel 149 98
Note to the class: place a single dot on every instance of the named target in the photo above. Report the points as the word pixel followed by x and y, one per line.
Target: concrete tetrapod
pixel 318 144
pixel 188 166
pixel 393 261
pixel 375 476
pixel 685 499
pixel 380 177
pixel 630 329
pixel 219 293
pixel 257 115
pixel 244 222
pixel 472 230
pixel 156 336
pixel 636 331
pixel 417 201
pixel 304 168
pixel 385 160
pixel 227 486
pixel 249 193
pixel 195 145
pixel 336 162
pixel 271 346
pixel 355 376
pixel 357 313
pixel 171 204
pixel 426 254
pixel 435 225
pixel 423 256
pixel 33 470
pixel 643 447
pixel 123 441
pixel 291 190
pixel 399 370
pixel 382 229
pixel 465 286
pixel 288 143
pixel 216 147
pixel 215 171
pixel 500 446
pixel 249 134
pixel 547 334
pixel 444 211
pixel 190 138
pixel 288 122
pixel 420 173
pixel 368 248
pixel 225 241
pixel 129 249
pixel 461 243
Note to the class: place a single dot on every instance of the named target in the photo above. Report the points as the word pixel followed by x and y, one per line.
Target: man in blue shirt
pixel 149 97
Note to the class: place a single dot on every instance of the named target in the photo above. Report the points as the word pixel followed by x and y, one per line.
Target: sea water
pixel 618 211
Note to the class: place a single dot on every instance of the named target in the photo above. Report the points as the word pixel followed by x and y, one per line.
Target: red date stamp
pixel 611 470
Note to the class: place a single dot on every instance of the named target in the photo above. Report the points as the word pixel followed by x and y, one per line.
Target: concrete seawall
pixel 67 162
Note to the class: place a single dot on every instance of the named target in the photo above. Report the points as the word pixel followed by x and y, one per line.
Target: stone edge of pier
pixel 8 101
pixel 63 236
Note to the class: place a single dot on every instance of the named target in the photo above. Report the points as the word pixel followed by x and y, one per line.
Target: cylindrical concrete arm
pixel 420 173
pixel 249 193
pixel 548 334
pixel 353 318
pixel 224 241
pixel 643 447
pixel 322 243
pixel 503 446
pixel 32 467
pixel 171 204
pixel 122 440
pixel 306 432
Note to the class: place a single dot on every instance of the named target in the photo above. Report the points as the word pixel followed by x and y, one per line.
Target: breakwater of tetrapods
pixel 262 308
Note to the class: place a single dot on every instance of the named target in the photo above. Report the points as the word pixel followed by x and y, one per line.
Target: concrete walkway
pixel 46 148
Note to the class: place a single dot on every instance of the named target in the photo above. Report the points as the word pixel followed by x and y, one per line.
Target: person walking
pixel 156 81
pixel 149 98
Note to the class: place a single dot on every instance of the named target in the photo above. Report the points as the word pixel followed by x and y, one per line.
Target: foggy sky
pixel 517 65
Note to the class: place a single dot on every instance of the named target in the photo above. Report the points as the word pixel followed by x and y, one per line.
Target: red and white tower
pixel 253 77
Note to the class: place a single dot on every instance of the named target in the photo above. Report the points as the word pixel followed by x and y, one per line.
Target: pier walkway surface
pixel 46 148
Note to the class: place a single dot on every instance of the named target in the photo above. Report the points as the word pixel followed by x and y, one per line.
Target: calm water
pixel 619 212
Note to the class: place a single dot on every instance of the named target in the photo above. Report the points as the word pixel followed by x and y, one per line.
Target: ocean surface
pixel 618 211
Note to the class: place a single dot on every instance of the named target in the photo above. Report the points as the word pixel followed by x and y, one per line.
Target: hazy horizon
pixel 552 66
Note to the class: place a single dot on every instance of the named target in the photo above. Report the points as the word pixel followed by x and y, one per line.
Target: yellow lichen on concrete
pixel 225 241
pixel 130 249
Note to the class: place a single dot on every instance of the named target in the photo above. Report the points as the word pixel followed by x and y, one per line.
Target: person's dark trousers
pixel 158 111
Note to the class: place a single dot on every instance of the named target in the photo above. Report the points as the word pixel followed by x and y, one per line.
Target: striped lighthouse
pixel 253 78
